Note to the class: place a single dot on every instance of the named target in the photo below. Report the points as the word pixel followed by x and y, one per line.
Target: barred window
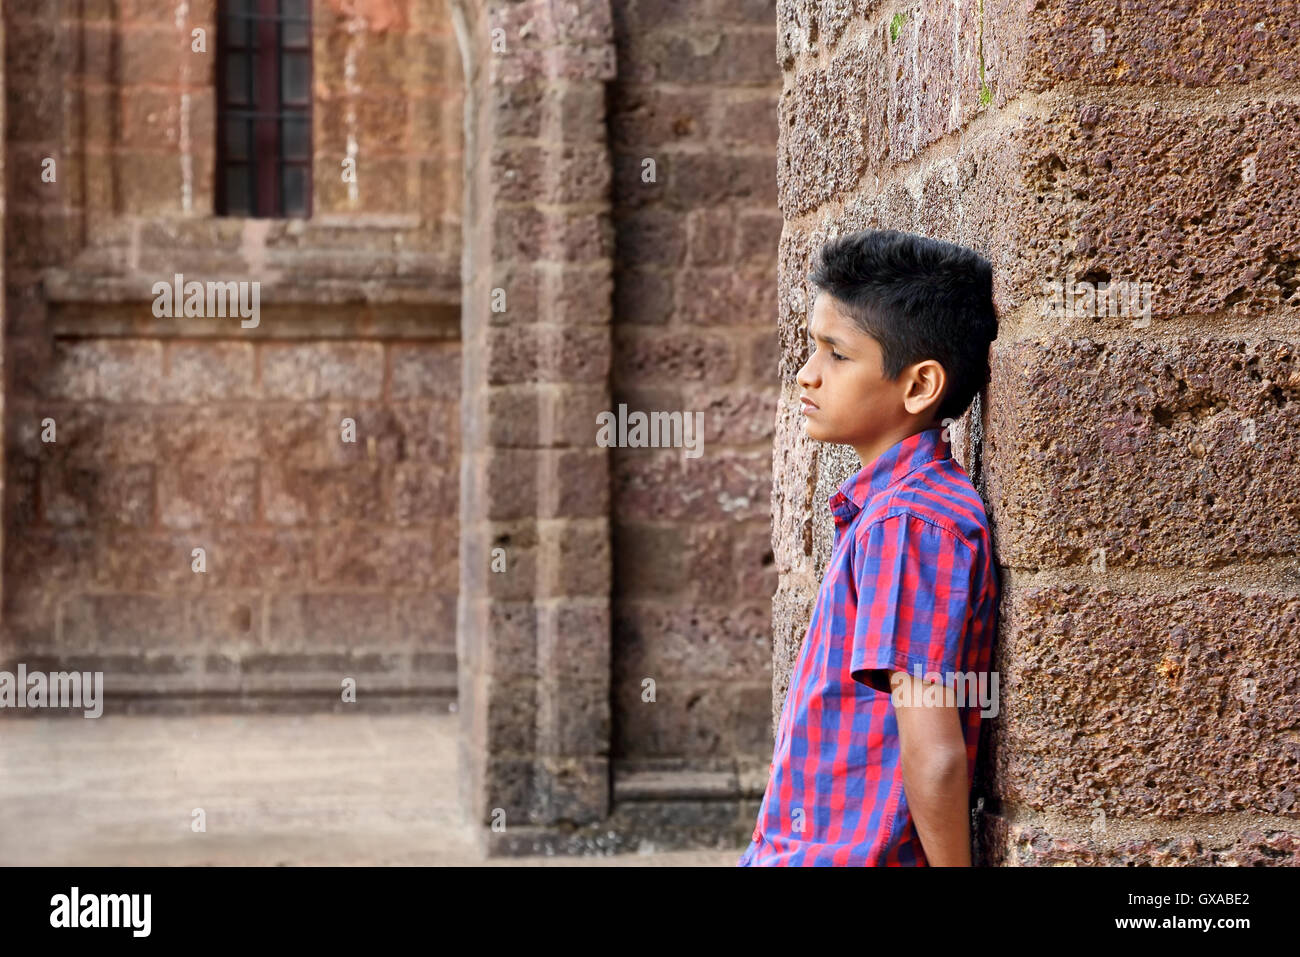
pixel 264 108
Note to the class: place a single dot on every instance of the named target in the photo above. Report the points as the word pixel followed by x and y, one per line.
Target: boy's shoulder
pixel 939 493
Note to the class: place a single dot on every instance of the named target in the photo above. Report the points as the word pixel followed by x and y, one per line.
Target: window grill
pixel 264 79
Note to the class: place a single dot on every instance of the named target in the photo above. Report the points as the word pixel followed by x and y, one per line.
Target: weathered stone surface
pixel 1121 203
pixel 1017 845
pixel 658 484
pixel 1231 46
pixel 322 371
pixel 692 641
pixel 1155 704
pixel 1174 454
pixel 1147 445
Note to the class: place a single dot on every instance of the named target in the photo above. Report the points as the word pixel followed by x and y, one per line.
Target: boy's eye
pixel 812 347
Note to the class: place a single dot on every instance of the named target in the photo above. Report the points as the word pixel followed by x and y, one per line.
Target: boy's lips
pixel 807 404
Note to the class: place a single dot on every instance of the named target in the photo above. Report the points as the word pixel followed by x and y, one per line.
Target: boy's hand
pixel 933 758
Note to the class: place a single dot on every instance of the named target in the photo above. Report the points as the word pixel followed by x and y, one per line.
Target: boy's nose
pixel 803 376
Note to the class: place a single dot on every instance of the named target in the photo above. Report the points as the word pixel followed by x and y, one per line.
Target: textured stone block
pixel 574 558
pixel 194 496
pixel 354 493
pixel 362 555
pixel 508 647
pixel 663 640
pixel 209 372
pixel 1222 242
pixel 71 495
pixel 424 493
pixel 106 369
pixel 1061 44
pixel 226 622
pixel 203 436
pixel 660 484
pixel 425 371
pixel 148 561
pixel 336 620
pixel 322 370
pixel 125 623
pixel 573 718
pixel 1194 711
pixel 687 718
pixel 1174 454
pixel 644 356
pixel 296 434
pixel 573 639
pixel 1026 845
pixel 257 557
pixel 573 483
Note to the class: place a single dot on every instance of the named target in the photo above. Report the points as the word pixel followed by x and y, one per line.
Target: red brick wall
pixel 324 558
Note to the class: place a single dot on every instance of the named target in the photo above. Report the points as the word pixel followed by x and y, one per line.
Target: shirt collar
pixel 891 466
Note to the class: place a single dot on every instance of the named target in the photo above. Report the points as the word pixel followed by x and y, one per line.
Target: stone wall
pixel 1139 469
pixel 693 135
pixel 619 207
pixel 501 272
pixel 323 557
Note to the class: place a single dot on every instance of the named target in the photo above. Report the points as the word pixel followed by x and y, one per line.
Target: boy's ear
pixel 926 382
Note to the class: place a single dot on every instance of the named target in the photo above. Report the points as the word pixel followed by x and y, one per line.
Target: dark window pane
pixel 295 70
pixel 234 32
pixel 296 142
pixel 294 189
pixel 265 119
pixel 237 138
pixel 237 78
pixel 237 189
pixel 293 34
pixel 266 135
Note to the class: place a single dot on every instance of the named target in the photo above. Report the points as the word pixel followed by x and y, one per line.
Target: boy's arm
pixel 933 759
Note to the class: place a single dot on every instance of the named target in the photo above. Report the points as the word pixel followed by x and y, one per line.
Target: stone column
pixel 533 619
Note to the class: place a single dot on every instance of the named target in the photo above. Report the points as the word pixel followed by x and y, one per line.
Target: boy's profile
pixel 899 340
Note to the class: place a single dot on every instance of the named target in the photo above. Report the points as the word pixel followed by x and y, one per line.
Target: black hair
pixel 920 298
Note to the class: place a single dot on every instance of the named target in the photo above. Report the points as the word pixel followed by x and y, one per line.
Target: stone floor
pixel 296 789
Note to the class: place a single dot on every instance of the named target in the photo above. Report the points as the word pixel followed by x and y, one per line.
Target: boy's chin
pixel 816 432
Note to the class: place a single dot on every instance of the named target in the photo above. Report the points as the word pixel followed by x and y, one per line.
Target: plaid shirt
pixel 911 581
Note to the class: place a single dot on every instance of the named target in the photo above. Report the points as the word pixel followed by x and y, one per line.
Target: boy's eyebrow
pixel 829 340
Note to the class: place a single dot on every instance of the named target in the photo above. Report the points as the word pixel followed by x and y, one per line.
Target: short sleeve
pixel 914 584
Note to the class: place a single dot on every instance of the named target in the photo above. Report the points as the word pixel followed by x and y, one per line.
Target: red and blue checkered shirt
pixel 911 582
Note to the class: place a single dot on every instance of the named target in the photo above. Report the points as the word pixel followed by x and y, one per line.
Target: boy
pixel 868 770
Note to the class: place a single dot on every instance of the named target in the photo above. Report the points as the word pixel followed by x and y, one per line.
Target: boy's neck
pixel 869 453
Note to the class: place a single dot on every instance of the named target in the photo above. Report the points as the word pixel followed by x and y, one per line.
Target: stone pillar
pixel 1139 465
pixel 4 317
pixel 533 618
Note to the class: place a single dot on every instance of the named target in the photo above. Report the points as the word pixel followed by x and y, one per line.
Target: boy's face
pixel 852 403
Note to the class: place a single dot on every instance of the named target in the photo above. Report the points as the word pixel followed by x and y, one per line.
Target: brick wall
pixel 533 614
pixel 621 564
pixel 1140 475
pixel 324 557
pixel 695 305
